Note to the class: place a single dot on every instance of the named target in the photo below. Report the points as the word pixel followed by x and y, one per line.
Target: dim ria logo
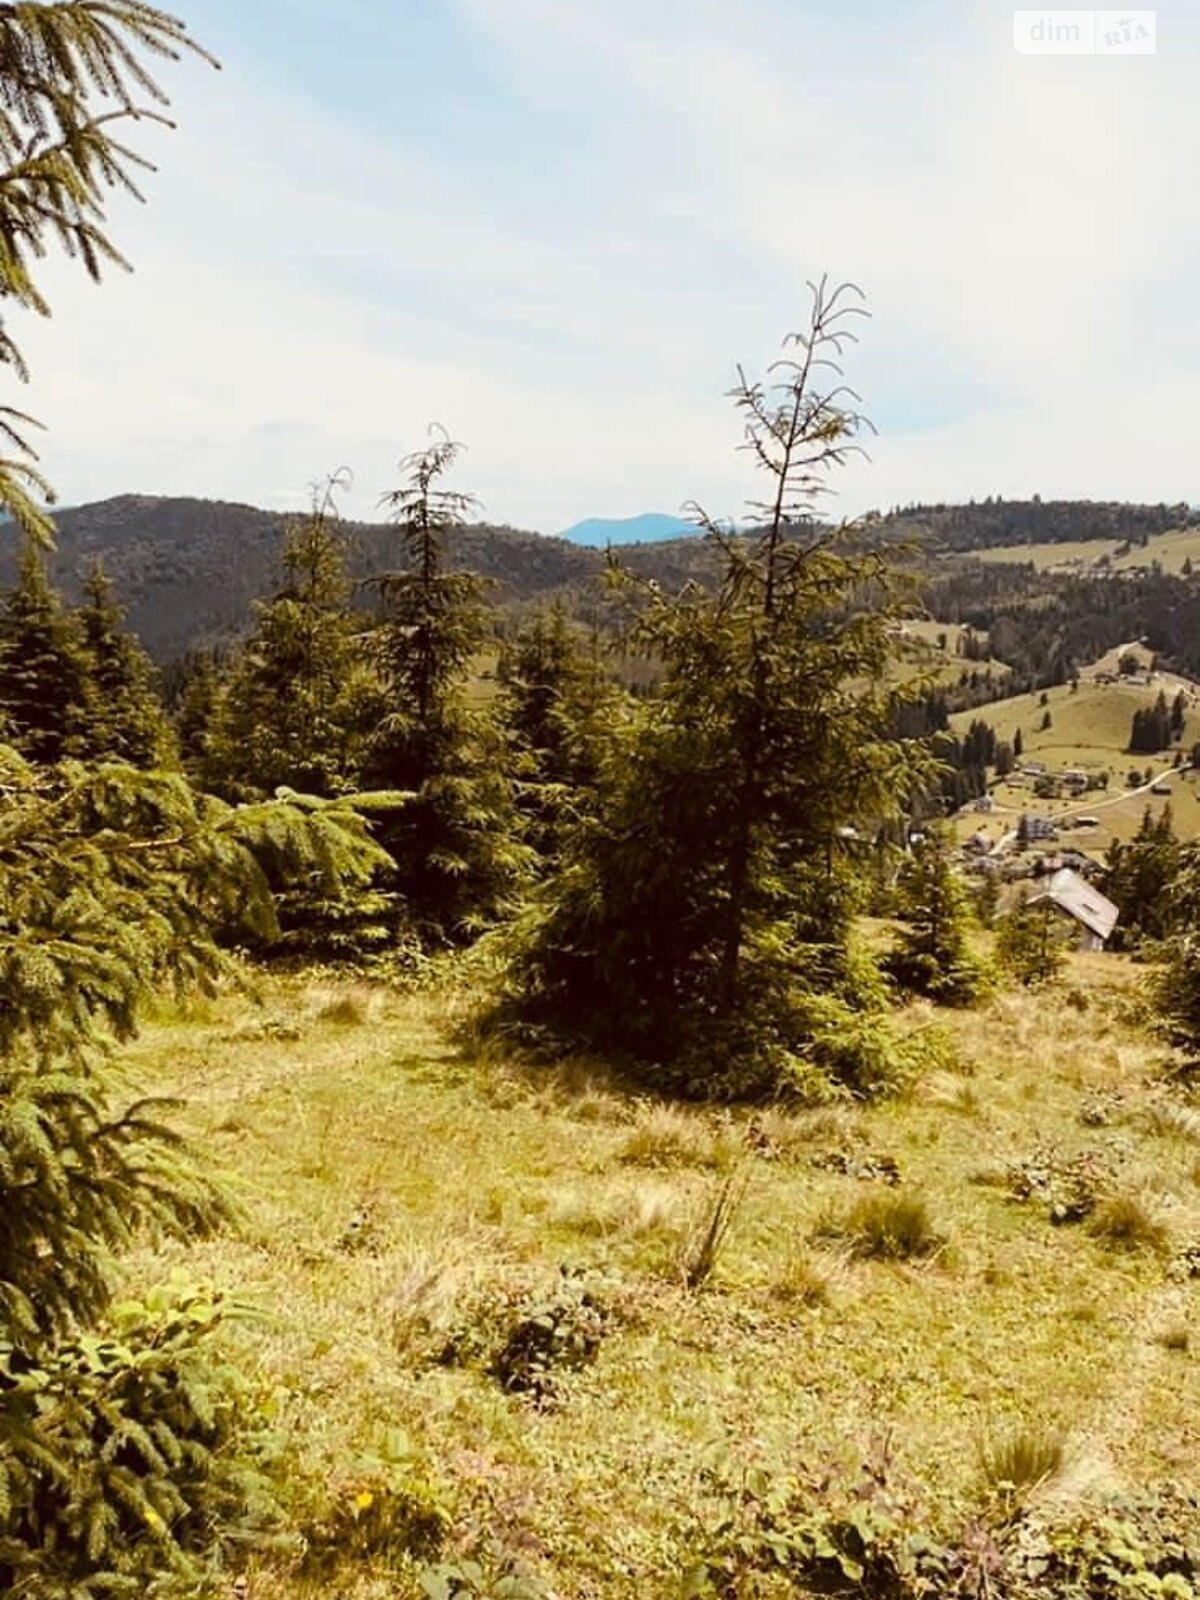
pixel 1085 33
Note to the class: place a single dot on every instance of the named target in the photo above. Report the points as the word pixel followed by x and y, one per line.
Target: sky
pixel 555 227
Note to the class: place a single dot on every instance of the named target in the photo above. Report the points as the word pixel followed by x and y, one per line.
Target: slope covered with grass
pixel 1000 1254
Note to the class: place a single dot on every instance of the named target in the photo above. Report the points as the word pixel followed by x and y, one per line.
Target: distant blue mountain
pixel 647 529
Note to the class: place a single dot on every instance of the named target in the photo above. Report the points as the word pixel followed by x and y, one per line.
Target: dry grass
pixel 1173 1120
pixel 481 1179
pixel 665 1136
pixel 806 1281
pixel 1128 1222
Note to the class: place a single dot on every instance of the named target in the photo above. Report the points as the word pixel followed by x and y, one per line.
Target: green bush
pixel 380 1511
pixel 527 1341
pixel 135 1461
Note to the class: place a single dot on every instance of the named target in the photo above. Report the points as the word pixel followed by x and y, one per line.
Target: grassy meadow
pixel 402 1195
pixel 1089 732
pixel 1171 550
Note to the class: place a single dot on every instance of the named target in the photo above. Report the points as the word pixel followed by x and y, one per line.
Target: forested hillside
pixel 188 570
pixel 980 525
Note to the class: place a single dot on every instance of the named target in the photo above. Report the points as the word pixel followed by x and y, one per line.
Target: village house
pixel 1039 828
pixel 1093 915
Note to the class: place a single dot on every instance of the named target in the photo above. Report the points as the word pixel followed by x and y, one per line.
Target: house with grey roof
pixel 1093 914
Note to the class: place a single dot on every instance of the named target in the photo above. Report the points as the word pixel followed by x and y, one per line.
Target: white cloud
pixel 306 295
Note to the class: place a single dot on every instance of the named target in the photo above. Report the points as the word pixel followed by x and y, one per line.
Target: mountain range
pixel 652 527
pixel 189 570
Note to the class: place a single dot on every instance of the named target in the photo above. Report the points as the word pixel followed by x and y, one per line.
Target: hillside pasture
pixel 1090 726
pixel 1170 550
pixel 472 1183
pixel 1089 732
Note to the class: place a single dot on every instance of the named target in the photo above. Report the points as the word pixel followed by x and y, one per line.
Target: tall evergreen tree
pixel 556 708
pixel 297 706
pixel 1142 878
pixel 700 912
pixel 455 859
pixel 126 720
pixel 46 691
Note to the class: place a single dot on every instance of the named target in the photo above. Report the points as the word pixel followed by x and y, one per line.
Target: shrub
pixel 160 1455
pixel 886 1227
pixel 379 1510
pixel 527 1341
pixel 763 1534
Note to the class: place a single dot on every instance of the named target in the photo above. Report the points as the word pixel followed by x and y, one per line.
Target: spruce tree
pixel 1142 881
pixel 454 855
pixel 194 707
pixel 47 696
pixel 700 923
pixel 126 720
pixel 73 80
pixel 297 706
pixel 557 710
pixel 1031 942
pixel 932 956
pixel 113 885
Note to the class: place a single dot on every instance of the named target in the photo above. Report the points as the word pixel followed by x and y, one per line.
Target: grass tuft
pixel 1173 1120
pixel 667 1137
pixel 804 1281
pixel 702 1250
pixel 348 1008
pixel 1125 1222
pixel 886 1227
pixel 1175 1336
pixel 1025 1459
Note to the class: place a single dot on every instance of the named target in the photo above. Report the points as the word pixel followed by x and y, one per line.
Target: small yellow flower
pixel 364 1499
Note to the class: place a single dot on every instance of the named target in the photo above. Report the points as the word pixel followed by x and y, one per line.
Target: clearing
pixel 1170 550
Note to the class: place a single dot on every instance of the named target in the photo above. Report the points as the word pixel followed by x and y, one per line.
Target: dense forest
pixel 1046 624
